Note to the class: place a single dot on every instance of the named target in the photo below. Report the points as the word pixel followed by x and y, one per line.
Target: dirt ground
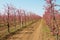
pixel 33 32
pixel 27 33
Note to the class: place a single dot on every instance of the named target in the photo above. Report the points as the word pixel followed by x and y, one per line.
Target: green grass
pixel 46 32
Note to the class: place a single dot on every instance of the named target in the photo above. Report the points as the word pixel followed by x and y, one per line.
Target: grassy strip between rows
pixel 46 34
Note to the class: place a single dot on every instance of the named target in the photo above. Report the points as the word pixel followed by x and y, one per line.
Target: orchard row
pixel 13 19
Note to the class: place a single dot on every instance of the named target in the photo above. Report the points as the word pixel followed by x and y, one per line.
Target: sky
pixel 35 6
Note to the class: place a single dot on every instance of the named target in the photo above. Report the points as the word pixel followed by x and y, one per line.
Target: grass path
pixel 46 34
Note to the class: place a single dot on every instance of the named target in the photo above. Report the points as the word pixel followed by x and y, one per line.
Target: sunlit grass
pixel 46 32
